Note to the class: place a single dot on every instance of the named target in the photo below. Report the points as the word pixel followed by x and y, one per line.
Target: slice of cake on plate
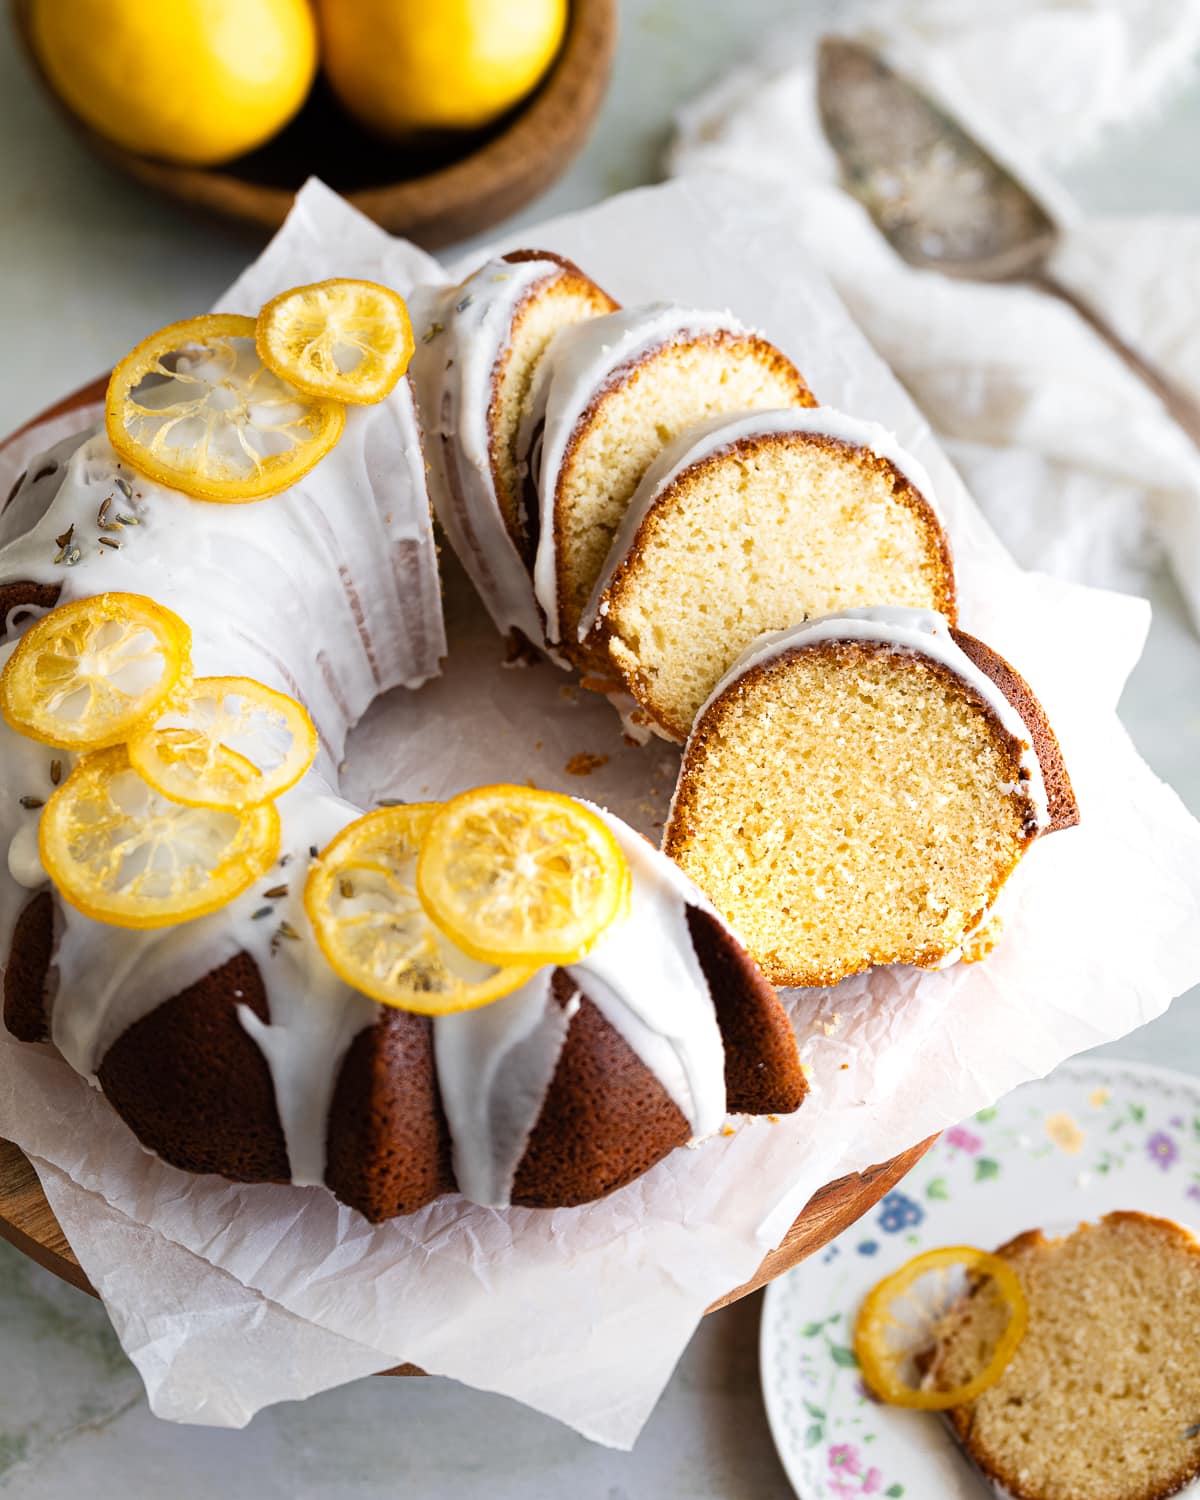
pixel 1101 1400
pixel 858 789
pixel 748 524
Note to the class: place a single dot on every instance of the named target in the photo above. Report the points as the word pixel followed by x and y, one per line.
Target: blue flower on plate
pixel 868 1247
pixel 898 1212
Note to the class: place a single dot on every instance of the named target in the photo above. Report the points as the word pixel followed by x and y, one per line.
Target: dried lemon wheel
pixel 88 673
pixel 194 407
pixel 123 853
pixel 346 340
pixel 899 1318
pixel 520 876
pixel 182 753
pixel 361 898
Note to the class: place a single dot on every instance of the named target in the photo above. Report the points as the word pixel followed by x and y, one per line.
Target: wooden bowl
pixel 435 196
pixel 27 1221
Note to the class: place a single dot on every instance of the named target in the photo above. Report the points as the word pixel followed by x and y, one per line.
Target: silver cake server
pixel 944 202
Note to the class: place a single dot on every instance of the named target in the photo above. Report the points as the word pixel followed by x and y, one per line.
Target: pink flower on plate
pixel 872 1482
pixel 961 1139
pixel 844 1456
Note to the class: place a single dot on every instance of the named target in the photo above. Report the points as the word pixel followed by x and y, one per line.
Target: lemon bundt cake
pixel 857 790
pixel 607 397
pixel 1100 1400
pixel 229 1041
pixel 748 524
pixel 478 346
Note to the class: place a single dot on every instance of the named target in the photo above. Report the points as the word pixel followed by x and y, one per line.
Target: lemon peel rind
pixel 274 784
pixel 222 887
pixel 273 479
pixel 171 633
pixel 615 906
pixel 340 388
pixel 872 1319
pixel 329 867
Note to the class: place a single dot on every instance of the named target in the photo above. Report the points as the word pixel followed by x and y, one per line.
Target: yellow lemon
pixel 197 81
pixel 402 66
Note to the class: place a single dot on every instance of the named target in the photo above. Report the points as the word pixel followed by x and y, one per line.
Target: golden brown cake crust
pixel 27 969
pixel 605 1120
pixel 904 492
pixel 960 1418
pixel 192 1084
pixel 1064 810
pixel 388 1144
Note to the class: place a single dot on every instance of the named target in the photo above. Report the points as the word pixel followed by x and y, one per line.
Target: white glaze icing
pixel 923 632
pixel 349 548
pixel 493 1064
pixel 722 433
pixel 579 362
pixel 463 332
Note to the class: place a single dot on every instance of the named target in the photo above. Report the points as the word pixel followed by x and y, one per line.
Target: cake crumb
pixel 774 1119
pixel 845 1066
pixel 585 763
pixel 727 1129
pixel 981 944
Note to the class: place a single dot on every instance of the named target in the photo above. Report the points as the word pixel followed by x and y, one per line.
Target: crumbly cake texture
pixel 1102 1397
pixel 194 1087
pixel 643 407
pixel 774 528
pixel 550 305
pixel 846 804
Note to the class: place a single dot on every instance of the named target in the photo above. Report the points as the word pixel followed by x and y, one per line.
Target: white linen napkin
pixel 1074 461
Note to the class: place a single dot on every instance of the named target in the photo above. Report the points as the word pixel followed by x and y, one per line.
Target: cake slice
pixel 751 523
pixel 858 789
pixel 1102 1399
pixel 609 395
pixel 478 345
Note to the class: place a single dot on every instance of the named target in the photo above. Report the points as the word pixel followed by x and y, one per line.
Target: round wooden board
pixel 448 192
pixel 27 1222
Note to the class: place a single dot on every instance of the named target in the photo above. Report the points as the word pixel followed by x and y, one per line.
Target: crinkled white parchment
pixel 229 1298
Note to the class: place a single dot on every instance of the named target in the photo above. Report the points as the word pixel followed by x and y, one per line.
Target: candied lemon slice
pixel 194 407
pixel 123 853
pixel 361 898
pixel 88 673
pixel 182 753
pixel 899 1318
pixel 515 875
pixel 342 339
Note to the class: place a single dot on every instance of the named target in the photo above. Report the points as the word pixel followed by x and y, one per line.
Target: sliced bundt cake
pixel 858 789
pixel 607 397
pixel 1101 1400
pixel 478 346
pixel 748 525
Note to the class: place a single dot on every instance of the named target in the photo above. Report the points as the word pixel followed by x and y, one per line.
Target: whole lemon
pixel 197 81
pixel 402 66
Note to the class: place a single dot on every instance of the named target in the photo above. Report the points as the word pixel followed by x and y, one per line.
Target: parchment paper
pixel 229 1298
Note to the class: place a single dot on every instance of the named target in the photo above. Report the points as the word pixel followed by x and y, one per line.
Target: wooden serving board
pixel 27 1222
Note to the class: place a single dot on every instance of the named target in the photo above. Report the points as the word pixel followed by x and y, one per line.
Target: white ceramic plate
pixel 1092 1137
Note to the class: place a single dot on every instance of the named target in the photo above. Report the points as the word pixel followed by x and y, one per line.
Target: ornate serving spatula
pixel 944 202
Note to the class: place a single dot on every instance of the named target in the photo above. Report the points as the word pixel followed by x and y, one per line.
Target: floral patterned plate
pixel 1094 1136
